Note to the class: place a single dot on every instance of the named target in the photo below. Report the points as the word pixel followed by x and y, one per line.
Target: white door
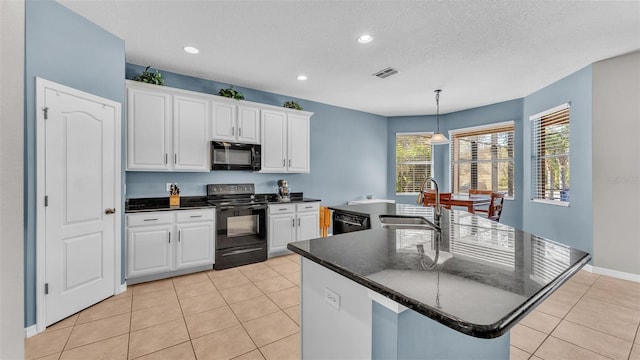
pixel 81 175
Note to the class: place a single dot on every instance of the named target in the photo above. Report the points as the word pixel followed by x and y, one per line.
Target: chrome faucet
pixel 438 210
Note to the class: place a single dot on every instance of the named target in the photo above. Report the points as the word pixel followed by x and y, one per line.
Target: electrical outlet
pixel 332 298
pixel 169 186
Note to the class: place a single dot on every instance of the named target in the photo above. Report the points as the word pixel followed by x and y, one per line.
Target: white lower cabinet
pixel 292 222
pixel 165 241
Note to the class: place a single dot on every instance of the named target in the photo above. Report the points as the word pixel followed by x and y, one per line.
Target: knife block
pixel 174 200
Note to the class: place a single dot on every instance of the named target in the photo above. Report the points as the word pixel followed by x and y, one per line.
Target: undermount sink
pixel 406 222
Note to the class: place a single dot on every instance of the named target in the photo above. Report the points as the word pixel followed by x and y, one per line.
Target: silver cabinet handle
pixel 289 162
pixel 166 158
pixel 293 222
pixel 239 131
pixel 175 158
pixel 233 130
pixel 298 222
pixel 282 209
pixel 196 216
pixel 283 162
pixel 150 220
pixel 178 235
pixel 169 238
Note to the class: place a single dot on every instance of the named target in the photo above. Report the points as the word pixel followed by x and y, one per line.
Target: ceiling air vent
pixel 385 73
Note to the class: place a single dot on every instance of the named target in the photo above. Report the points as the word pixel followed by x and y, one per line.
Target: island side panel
pixel 327 332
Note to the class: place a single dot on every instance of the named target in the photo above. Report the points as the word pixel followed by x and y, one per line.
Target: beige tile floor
pixel 253 312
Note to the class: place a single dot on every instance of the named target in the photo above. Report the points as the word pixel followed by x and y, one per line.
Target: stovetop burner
pixel 233 195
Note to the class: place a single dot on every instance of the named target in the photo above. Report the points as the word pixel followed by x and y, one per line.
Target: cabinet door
pixel 248 124
pixel 298 143
pixel 274 125
pixel 148 250
pixel 148 130
pixel 308 225
pixel 195 244
pixel 190 134
pixel 282 230
pixel 224 121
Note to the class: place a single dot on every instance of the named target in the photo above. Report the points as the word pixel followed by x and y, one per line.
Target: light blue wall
pixel 63 47
pixel 570 225
pixel 495 113
pixel 348 152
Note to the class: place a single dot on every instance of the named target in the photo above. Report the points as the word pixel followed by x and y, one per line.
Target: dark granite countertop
pixel 195 202
pixel 489 275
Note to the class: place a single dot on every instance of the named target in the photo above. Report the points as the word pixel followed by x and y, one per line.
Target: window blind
pixel 483 159
pixel 413 161
pixel 550 155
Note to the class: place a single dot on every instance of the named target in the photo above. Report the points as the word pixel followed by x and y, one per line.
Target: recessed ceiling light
pixel 302 77
pixel 191 50
pixel 365 38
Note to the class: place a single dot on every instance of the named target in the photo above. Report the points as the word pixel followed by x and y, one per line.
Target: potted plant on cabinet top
pixel 292 105
pixel 149 77
pixel 231 93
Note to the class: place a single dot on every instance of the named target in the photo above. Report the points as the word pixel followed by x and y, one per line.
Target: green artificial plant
pixel 231 93
pixel 150 77
pixel 292 105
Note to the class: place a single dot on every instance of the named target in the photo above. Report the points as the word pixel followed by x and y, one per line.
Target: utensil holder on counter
pixel 174 200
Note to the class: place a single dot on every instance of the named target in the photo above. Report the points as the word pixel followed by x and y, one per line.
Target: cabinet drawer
pixel 194 215
pixel 281 208
pixel 309 206
pixel 152 218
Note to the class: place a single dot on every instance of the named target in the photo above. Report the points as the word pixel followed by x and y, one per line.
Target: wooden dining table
pixel 469 201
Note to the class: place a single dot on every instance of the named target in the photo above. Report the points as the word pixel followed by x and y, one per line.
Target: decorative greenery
pixel 150 77
pixel 292 105
pixel 231 93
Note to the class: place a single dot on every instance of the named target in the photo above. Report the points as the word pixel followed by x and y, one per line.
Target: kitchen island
pixel 377 293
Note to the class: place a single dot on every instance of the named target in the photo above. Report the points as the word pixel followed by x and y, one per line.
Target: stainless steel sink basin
pixel 407 222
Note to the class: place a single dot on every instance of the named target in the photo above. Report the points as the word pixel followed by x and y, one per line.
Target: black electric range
pixel 241 231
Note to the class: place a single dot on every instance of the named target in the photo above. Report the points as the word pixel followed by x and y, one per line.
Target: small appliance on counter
pixel 283 190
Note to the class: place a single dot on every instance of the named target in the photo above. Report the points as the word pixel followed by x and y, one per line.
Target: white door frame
pixel 41 85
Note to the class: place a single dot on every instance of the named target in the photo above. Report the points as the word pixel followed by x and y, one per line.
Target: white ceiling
pixel 478 52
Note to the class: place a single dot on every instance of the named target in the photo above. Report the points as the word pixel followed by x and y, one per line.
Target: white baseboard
pixel 30 331
pixel 123 288
pixel 613 273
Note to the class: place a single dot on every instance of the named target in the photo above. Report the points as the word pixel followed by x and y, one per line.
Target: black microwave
pixel 235 156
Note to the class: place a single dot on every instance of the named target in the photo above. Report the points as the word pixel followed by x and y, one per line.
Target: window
pixel 413 161
pixel 550 155
pixel 482 159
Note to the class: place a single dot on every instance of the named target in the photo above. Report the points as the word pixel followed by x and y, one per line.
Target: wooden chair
pixel 480 192
pixel 430 199
pixel 495 207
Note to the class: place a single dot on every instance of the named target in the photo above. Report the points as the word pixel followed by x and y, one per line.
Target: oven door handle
pixel 242 207
pixel 236 252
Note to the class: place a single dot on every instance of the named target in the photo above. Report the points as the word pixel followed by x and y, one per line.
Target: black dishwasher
pixel 348 222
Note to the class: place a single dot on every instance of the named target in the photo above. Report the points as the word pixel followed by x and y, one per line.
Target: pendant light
pixel 438 138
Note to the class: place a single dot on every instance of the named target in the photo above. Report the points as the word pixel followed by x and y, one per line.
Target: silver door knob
pixel 110 211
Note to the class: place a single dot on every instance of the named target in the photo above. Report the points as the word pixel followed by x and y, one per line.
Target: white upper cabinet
pixel 190 129
pixel 149 122
pixel 285 141
pixel 170 129
pixel 248 124
pixel 166 130
pixel 233 121
pixel 298 143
